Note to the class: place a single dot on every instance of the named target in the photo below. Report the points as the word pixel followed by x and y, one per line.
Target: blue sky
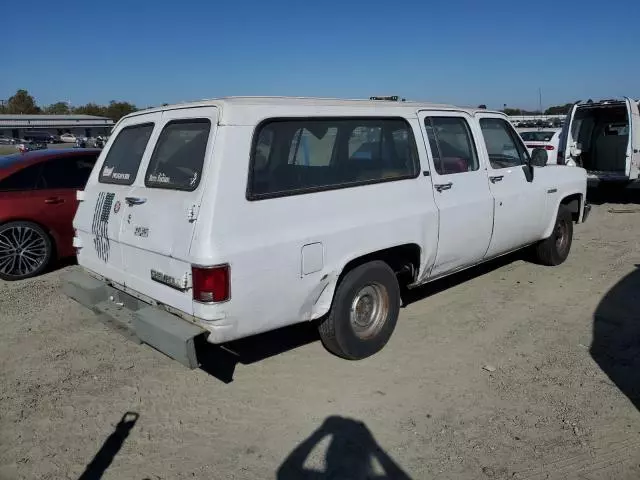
pixel 464 52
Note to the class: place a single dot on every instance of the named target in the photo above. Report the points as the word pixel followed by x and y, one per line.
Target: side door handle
pixel 53 200
pixel 443 186
pixel 496 178
pixel 134 201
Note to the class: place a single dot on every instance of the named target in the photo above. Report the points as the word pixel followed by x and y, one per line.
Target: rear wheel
pixel 555 249
pixel 364 312
pixel 25 250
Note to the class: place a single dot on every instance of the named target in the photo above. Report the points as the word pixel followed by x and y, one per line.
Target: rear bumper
pixel 134 318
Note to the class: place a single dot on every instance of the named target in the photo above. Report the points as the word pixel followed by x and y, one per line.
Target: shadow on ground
pixel 437 286
pixel 352 453
pixel 616 335
pixel 220 361
pixel 111 446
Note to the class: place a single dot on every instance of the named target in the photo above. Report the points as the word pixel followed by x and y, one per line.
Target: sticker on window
pixel 124 156
pixel 178 157
pixel 159 178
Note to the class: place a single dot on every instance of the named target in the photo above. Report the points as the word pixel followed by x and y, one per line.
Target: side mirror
pixel 539 157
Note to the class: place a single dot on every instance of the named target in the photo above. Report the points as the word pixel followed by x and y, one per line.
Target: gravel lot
pixel 559 397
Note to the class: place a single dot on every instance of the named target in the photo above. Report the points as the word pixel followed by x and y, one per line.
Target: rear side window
pixel 24 179
pixel 305 155
pixel 122 162
pixel 451 145
pixel 69 172
pixel 178 157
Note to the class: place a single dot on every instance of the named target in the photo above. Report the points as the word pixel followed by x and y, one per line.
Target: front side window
pixel 304 155
pixel 178 157
pixel 124 157
pixel 504 148
pixel 451 145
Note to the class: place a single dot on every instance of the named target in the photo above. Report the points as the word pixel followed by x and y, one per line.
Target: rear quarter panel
pixel 262 240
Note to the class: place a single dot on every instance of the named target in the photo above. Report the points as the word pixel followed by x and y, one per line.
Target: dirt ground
pixel 510 371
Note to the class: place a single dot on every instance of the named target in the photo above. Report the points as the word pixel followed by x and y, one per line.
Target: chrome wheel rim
pixel 22 251
pixel 369 310
pixel 562 236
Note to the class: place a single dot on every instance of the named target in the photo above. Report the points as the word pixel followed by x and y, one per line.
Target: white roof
pixel 252 110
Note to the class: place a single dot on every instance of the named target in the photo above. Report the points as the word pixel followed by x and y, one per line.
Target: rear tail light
pixel 211 284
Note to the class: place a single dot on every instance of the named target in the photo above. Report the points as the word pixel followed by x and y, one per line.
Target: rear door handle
pixel 443 186
pixel 134 200
pixel 496 178
pixel 53 200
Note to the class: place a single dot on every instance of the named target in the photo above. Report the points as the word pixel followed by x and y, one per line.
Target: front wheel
pixel 364 312
pixel 25 250
pixel 555 249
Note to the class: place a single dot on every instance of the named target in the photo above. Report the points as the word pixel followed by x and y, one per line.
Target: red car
pixel 37 205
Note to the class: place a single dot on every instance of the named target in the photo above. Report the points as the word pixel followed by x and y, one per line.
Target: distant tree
pixel 116 110
pixel 482 107
pixel 58 108
pixel 559 109
pixel 89 109
pixel 512 111
pixel 22 102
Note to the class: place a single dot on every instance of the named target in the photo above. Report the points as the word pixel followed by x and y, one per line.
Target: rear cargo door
pixel 633 150
pixel 98 220
pixel 567 140
pixel 160 210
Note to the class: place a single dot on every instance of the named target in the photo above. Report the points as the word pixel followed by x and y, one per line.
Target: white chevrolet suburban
pixel 231 217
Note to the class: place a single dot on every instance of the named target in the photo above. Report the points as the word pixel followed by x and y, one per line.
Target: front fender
pixel 555 206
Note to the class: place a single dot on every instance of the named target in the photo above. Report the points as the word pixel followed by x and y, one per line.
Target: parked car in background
pixel 549 139
pixel 7 140
pixel 41 136
pixel 37 204
pixel 68 138
pixel 30 145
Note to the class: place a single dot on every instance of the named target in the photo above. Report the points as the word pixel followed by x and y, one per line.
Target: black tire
pixel 337 330
pixel 37 238
pixel 555 249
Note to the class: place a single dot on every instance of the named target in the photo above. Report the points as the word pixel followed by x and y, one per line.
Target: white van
pixel 242 215
pixel 604 138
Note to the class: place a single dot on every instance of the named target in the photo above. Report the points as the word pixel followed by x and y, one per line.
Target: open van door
pixel 633 150
pixel 568 153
